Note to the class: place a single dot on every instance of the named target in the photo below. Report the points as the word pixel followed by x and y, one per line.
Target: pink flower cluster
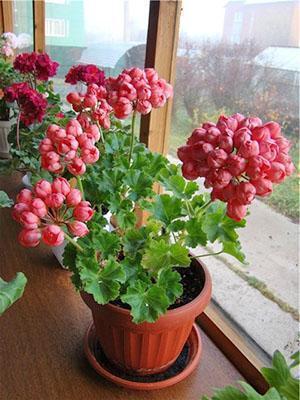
pixel 40 65
pixel 50 207
pixel 85 73
pixel 239 158
pixel 133 90
pixel 69 147
pixel 137 90
pixel 32 104
pixel 91 106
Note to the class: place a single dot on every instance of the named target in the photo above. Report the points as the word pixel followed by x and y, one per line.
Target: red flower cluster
pixel 32 104
pixel 85 73
pixel 69 147
pixel 92 106
pixel 239 158
pixel 136 89
pixel 40 65
pixel 44 212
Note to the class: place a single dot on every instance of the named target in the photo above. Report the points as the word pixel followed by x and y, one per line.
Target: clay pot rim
pixel 207 288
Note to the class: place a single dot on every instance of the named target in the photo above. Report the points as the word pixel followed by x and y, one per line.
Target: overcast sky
pixel 105 19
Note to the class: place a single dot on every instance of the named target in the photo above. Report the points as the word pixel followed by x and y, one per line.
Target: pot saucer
pixel 185 364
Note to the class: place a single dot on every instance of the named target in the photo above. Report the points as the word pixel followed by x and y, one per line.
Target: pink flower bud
pixel 249 148
pixel 78 228
pixel 274 129
pixel 45 146
pixel 245 192
pixel 51 162
pixel 208 124
pixel 67 144
pixel 42 188
pixel 218 179
pixel 83 212
pixel 229 192
pixel 61 185
pixel 90 101
pixel 25 196
pixel 74 98
pixel 157 99
pixel 73 198
pixel 235 164
pixel 52 235
pixel 197 136
pixel 227 123
pixel 268 149
pixel 283 144
pixel 143 107
pixel 190 170
pixel 143 91
pixel 216 158
pixel 29 237
pixel 226 143
pixel 77 166
pixel 18 210
pixel 251 122
pixel 184 153
pixel 38 207
pixel 289 168
pixel 151 75
pixel 84 121
pixel 212 135
pixel 263 186
pixel 58 135
pixel 261 133
pixel 241 136
pixel 51 130
pixel 236 211
pixel 29 220
pixel 200 151
pixel 55 200
pixel 93 133
pixel 122 108
pixel 277 172
pixel 74 128
pixel 127 90
pixel 90 156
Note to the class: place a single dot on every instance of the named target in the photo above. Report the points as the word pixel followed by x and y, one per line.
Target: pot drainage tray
pixel 185 364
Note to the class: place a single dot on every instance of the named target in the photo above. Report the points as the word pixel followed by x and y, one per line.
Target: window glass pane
pixel 23 23
pixel 111 34
pixel 243 56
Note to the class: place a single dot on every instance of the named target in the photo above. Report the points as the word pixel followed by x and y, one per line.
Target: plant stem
pixel 101 133
pixel 206 255
pixel 74 243
pixel 132 136
pixel 79 183
pixel 189 209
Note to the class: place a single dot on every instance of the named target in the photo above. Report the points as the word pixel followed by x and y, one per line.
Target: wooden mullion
pixel 7 16
pixel 162 41
pixel 39 25
pixel 1 18
pixel 234 347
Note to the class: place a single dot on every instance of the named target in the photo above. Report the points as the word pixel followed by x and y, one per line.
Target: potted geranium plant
pixel 141 281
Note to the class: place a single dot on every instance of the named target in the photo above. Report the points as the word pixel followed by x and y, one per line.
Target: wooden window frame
pixel 161 48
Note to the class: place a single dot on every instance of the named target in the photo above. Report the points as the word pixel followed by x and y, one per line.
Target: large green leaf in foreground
pixel 11 291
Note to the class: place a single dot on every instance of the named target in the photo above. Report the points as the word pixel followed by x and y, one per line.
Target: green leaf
pixel 228 393
pixel 252 394
pixel 166 208
pixel 195 236
pixel 11 291
pixel 234 249
pixel 296 358
pixel 163 255
pixel 5 201
pixel 108 243
pixel 170 281
pixel 147 304
pixel 103 284
pixel 126 219
pixel 279 373
pixel 178 185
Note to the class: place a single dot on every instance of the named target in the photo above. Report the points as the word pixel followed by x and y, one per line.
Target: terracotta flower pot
pixel 147 348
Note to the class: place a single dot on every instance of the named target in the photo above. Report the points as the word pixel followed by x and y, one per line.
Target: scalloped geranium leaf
pixel 11 291
pixel 163 255
pixel 147 304
pixel 195 236
pixel 103 284
pixel 166 208
pixel 170 281
pixel 108 243
pixel 234 249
